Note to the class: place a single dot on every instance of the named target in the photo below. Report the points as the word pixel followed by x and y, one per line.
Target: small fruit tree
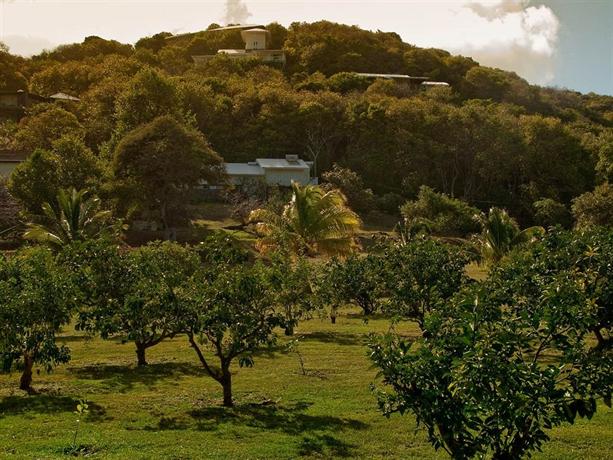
pixel 36 300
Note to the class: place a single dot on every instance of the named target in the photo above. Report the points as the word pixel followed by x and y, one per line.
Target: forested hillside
pixel 490 138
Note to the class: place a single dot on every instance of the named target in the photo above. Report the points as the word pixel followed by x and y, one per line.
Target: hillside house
pixel 271 171
pixel 257 39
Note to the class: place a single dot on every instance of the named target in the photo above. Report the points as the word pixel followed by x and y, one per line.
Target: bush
pixel 549 213
pixel 349 182
pixel 443 215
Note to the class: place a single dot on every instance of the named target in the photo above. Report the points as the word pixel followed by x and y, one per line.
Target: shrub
pixel 443 214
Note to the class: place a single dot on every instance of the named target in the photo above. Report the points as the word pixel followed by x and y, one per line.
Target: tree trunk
pixel 333 319
pixel 140 354
pixel 289 330
pixel 25 383
pixel 226 383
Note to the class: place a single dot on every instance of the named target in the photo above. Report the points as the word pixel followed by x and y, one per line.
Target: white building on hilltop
pixel 257 40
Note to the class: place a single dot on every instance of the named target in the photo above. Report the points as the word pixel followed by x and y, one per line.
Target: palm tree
pixel 77 217
pixel 315 221
pixel 501 234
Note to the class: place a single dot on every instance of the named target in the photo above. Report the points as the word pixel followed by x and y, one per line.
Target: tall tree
pixel 156 165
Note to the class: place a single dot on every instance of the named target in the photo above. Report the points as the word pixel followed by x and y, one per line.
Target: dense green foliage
pixel 510 358
pixel 491 139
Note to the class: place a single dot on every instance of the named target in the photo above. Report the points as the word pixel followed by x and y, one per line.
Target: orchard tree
pixel 156 165
pixel 36 300
pixel 504 361
pixel 291 282
pixel 132 294
pixel 421 275
pixel 357 279
pixel 231 313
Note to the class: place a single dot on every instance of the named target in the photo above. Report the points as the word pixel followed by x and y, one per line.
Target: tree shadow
pixel 292 420
pixel 46 404
pixel 340 338
pixel 123 378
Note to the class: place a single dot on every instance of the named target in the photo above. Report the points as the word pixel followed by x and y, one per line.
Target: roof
pixel 435 83
pixel 391 76
pixel 64 97
pixel 256 30
pixel 281 163
pixel 243 169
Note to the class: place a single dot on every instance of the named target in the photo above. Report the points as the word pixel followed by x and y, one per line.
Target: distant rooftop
pixel 282 163
pixel 243 169
pixel 435 83
pixel 64 97
pixel 391 76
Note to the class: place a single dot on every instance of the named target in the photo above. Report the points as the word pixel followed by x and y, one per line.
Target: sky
pixel 563 43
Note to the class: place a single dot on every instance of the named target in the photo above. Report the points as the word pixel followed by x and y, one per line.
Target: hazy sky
pixel 565 43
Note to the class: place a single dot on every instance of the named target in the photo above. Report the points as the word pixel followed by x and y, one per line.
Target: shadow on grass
pixel 316 431
pixel 123 378
pixel 46 404
pixel 340 338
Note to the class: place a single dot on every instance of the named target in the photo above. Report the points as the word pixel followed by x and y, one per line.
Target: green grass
pixel 171 409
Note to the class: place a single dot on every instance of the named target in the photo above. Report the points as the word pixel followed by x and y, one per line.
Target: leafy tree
pixel 314 221
pixel 132 294
pixel 346 82
pixel 76 217
pixel 11 76
pixel 36 180
pixel 157 164
pixel 291 282
pixel 420 276
pixel 585 254
pixel 501 234
pixel 356 279
pixel 491 350
pixel 68 164
pixel 442 214
pixel 594 208
pixel 149 95
pixel 36 299
pixel 231 313
pixel 44 124
pixel 351 185
pixel 549 213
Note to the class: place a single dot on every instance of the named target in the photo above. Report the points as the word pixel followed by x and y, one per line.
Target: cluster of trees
pixel 492 139
pixel 499 361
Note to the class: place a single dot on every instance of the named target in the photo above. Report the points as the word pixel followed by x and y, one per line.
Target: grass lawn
pixel 171 409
